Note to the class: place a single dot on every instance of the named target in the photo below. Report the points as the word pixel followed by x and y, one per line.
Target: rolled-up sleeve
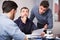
pixel 32 16
pixel 34 27
pixel 13 30
pixel 18 35
pixel 50 20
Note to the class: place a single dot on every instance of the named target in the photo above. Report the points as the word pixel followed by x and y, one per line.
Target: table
pixel 40 38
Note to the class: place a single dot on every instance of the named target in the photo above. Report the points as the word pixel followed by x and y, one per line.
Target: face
pixel 24 13
pixel 42 9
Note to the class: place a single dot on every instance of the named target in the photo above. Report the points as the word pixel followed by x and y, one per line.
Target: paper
pixel 28 35
pixel 37 32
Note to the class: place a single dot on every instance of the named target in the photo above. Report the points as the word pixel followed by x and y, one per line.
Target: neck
pixel 9 15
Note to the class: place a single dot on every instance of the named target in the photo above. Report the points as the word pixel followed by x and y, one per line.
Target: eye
pixel 41 8
pixel 23 11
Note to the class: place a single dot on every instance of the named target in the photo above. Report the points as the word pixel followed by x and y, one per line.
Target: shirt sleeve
pixel 50 19
pixel 32 15
pixel 34 27
pixel 13 30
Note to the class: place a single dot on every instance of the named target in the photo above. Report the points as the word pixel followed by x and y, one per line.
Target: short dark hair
pixel 44 4
pixel 24 8
pixel 8 6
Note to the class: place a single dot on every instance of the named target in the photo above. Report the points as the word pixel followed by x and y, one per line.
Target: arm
pixel 50 20
pixel 33 27
pixel 32 15
pixel 15 32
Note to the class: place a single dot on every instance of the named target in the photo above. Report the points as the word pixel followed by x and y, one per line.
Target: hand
pixel 24 19
pixel 26 38
pixel 45 27
pixel 42 34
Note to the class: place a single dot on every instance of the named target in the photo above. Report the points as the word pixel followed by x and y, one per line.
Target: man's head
pixel 9 7
pixel 24 12
pixel 43 7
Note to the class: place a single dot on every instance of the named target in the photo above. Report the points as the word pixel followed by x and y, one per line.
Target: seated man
pixel 25 24
pixel 8 29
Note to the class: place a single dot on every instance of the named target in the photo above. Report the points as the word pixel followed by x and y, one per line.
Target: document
pixel 37 32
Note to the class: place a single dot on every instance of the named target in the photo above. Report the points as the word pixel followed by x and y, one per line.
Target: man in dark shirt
pixel 25 24
pixel 43 14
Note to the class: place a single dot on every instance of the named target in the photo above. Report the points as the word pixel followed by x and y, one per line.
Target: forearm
pixel 26 38
pixel 32 15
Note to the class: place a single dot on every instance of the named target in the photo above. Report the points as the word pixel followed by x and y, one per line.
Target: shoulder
pixel 17 20
pixel 49 13
pixel 10 22
pixel 49 10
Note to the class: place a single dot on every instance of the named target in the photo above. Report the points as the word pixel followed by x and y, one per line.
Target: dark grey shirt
pixel 46 18
pixel 28 27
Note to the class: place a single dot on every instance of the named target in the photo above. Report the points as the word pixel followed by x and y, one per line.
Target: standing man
pixel 8 29
pixel 43 14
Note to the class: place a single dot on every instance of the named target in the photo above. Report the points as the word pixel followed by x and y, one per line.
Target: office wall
pixel 1 1
pixel 23 3
pixel 37 2
pixel 55 14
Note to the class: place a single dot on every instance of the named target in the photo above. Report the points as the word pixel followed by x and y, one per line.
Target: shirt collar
pixel 21 20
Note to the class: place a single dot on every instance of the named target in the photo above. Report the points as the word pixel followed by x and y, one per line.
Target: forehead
pixel 24 10
pixel 42 7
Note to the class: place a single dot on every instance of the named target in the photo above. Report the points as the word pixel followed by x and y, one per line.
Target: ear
pixel 12 10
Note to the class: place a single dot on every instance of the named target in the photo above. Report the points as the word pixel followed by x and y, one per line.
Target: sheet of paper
pixel 37 32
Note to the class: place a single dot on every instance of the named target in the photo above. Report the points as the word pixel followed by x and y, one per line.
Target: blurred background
pixel 54 5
